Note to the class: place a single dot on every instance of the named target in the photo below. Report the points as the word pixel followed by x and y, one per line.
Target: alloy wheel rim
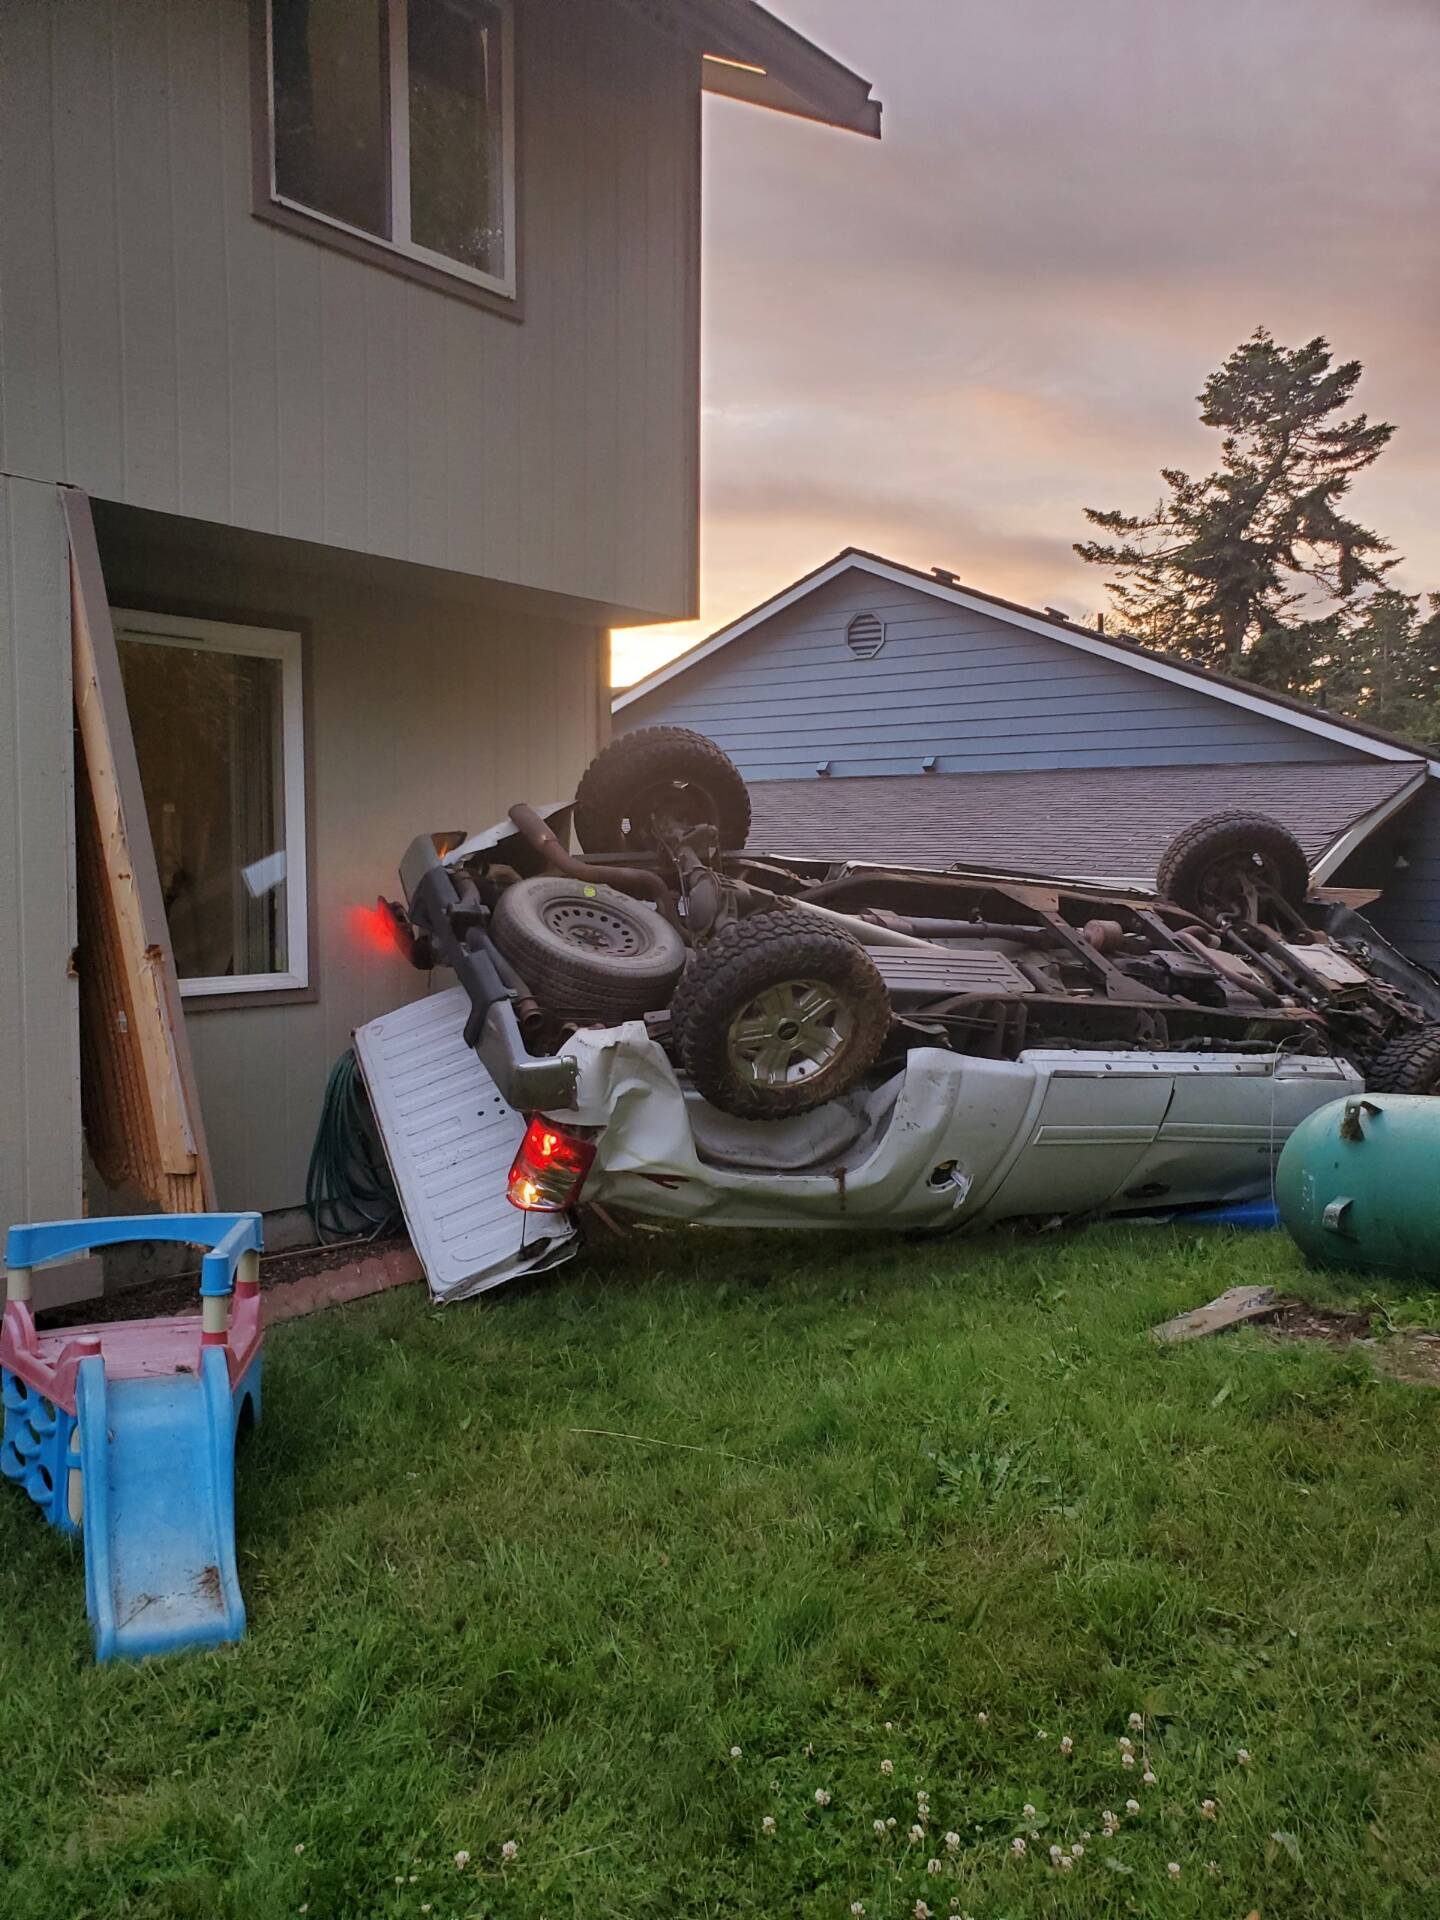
pixel 789 1033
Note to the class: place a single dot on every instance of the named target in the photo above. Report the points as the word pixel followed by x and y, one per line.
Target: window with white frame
pixel 393 120
pixel 217 716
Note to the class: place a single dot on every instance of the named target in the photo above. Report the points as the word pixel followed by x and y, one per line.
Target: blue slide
pixel 158 1458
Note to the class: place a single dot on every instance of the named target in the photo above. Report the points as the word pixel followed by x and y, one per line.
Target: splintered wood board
pixel 141 1109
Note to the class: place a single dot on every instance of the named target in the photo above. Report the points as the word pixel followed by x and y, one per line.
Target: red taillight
pixel 549 1170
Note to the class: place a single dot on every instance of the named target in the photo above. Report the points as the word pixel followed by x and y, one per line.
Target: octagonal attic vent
pixel 865 635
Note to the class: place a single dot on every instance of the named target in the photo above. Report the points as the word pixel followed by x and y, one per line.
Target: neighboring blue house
pixel 887 714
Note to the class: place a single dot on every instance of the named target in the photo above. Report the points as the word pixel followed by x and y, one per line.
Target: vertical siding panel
pixel 251 303
pixel 32 400
pixel 346 390
pixel 387 435
pixel 146 253
pixel 470 450
pixel 565 289
pixel 541 193
pixel 605 136
pixel 87 271
pixel 202 362
pixel 300 400
pixel 40 1171
pixel 426 429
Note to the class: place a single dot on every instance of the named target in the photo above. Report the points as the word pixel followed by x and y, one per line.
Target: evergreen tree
pixel 1253 568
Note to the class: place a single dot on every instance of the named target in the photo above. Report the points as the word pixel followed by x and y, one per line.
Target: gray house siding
pixel 164 348
pixel 40 1171
pixel 974 691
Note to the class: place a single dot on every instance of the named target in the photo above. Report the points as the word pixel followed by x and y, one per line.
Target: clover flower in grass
pixel 952 1843
pixel 1028 1811
pixel 887 1766
pixel 1243 1755
pixel 734 1753
pixel 934 1866
pixel 1125 1743
pixel 1065 1863
pixel 424 1906
pixel 1127 1759
pixel 767 1825
pixel 1017 1846
pixel 917 1833
pixel 462 1859
pixel 1077 1851
pixel 509 1851
pixel 822 1798
pixel 1173 1869
pixel 1135 1722
pixel 880 1829
pixel 1132 1806
pixel 1067 1745
pixel 1212 1867
pixel 890 1823
pixel 299 1846
pixel 1208 1810
pixel 857 1907
pixel 1055 1853
pixel 922 1912
pixel 983 1718
pixel 1147 1779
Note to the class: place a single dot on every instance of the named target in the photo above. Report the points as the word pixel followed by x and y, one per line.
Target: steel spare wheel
pixel 777 1015
pixel 587 950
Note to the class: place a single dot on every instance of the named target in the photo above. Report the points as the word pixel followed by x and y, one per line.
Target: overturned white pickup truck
pixel 685 1029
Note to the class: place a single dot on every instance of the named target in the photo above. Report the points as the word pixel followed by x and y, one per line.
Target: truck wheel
pixel 660 775
pixel 1220 864
pixel 587 951
pixel 775 1017
pixel 1410 1063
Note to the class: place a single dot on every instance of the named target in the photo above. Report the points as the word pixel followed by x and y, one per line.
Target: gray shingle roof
pixel 1096 824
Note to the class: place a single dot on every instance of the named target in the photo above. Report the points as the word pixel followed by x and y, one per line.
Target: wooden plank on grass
pixel 1230 1309
pixel 142 1112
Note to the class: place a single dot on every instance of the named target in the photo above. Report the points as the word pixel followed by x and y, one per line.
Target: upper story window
pixel 392 122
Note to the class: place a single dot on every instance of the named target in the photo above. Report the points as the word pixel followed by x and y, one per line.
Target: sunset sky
pixel 944 344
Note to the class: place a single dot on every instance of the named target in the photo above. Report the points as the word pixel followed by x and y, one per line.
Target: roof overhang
pixel 750 55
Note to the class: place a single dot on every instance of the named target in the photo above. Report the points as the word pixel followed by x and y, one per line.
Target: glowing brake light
pixel 549 1170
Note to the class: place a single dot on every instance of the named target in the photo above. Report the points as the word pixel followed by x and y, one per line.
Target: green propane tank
pixel 1358 1184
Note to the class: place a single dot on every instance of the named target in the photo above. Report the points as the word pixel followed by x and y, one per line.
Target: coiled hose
pixel 349 1194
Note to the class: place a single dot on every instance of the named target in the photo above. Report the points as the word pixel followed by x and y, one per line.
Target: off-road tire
pixel 618 782
pixel 767 951
pixel 634 974
pixel 1410 1063
pixel 1191 855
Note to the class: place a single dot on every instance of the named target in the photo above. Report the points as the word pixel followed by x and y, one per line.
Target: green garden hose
pixel 349 1194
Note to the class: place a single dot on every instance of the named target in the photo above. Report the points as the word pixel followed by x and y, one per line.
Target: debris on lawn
pixel 1230 1309
pixel 1410 1354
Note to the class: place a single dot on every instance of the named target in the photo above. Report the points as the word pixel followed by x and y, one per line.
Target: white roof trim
pixel 1077 637
pixel 1340 849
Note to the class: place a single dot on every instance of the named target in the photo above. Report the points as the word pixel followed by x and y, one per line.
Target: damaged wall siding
pixel 423 713
pixel 40 1170
pixel 978 693
pixel 165 348
pixel 1404 859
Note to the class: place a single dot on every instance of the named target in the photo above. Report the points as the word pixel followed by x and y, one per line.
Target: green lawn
pixel 940 1505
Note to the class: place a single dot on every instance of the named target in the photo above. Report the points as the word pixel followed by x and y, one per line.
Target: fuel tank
pixel 1358 1184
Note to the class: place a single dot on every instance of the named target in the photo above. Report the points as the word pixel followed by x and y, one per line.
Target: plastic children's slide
pixel 125 1432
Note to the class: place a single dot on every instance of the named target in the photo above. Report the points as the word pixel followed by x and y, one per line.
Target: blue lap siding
pixel 970 689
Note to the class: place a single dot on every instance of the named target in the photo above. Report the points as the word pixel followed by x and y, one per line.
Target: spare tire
pixel 778 1014
pixel 587 951
pixel 1218 865
pixel 655 770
